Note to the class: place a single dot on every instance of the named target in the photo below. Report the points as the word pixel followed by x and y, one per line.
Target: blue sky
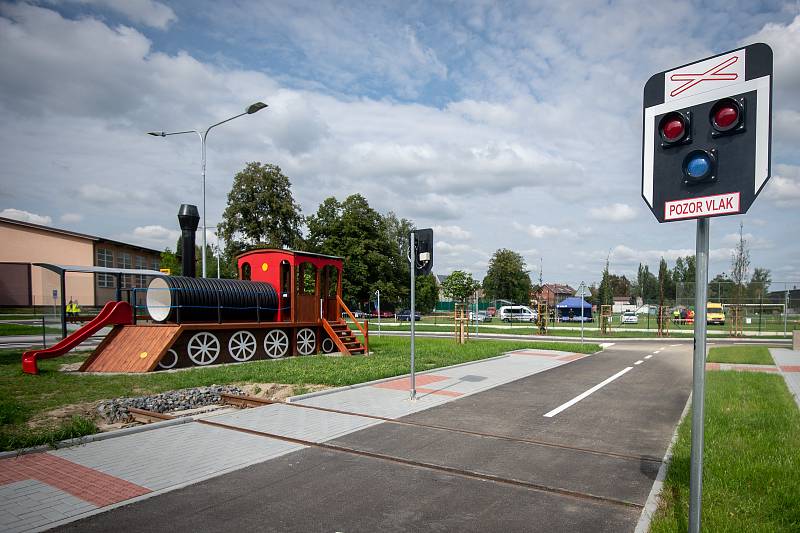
pixel 510 124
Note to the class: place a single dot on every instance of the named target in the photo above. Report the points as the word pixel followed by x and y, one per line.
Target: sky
pixel 499 124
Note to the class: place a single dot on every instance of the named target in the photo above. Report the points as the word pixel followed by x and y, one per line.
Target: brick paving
pixel 788 362
pixel 41 490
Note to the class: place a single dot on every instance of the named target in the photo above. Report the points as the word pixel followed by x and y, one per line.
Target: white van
pixel 516 313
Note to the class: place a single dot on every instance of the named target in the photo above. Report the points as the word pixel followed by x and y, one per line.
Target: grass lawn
pixel 754 355
pixel 25 396
pixel 24 329
pixel 751 459
pixel 526 329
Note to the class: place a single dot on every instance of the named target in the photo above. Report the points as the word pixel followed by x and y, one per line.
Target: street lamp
pixel 203 134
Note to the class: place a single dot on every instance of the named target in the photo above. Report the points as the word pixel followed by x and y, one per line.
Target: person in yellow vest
pixel 69 310
pixel 76 311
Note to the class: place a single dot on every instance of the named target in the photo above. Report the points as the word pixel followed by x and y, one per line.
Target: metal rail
pixel 430 466
pixel 252 401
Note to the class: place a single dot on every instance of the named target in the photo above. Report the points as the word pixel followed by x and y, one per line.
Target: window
pixel 141 264
pixel 105 259
pixel 124 261
pixel 306 278
pixel 246 271
pixel 155 264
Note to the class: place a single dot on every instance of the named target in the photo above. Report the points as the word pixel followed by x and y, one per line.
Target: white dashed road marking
pixel 639 362
pixel 583 395
pixel 648 356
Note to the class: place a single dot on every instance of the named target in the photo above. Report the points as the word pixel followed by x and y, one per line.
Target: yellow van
pixel 715 314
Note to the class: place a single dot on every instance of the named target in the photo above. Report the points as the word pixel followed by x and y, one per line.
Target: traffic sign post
pixel 420 258
pixel 706 152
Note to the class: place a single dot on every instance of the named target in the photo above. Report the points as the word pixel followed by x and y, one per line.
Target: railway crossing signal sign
pixel 706 153
pixel 707 135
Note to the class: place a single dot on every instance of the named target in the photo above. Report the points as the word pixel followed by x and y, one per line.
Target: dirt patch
pixel 278 391
pixel 61 414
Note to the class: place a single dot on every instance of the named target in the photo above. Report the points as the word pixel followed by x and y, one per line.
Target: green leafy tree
pixel 169 259
pixel 261 211
pixel 740 266
pixel 507 277
pixel 666 288
pixel 460 286
pixel 353 230
pixel 426 293
pixel 759 284
pixel 604 292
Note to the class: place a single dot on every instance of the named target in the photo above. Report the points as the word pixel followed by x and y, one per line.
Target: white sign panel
pixel 715 73
pixel 705 206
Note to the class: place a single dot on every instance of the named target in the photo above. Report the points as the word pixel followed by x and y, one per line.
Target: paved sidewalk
pixel 788 362
pixel 42 490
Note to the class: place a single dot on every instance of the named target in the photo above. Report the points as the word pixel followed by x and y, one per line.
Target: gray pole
pixel 378 292
pixel 476 313
pixel 698 376
pixel 785 308
pixel 583 291
pixel 413 256
pixel 203 163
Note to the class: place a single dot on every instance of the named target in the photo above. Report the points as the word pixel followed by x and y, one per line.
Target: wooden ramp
pixel 132 349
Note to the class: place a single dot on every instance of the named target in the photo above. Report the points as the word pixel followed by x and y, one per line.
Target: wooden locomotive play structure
pixel 285 303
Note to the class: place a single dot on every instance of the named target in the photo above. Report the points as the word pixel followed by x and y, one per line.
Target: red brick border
pixel 82 482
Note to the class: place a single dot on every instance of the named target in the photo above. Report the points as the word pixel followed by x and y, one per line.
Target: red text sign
pixel 705 206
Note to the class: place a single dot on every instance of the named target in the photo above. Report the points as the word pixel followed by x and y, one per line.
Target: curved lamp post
pixel 203 134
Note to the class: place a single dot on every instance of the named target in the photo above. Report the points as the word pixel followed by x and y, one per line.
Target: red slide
pixel 112 313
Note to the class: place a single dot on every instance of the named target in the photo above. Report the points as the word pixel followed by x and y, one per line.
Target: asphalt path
pixel 587 468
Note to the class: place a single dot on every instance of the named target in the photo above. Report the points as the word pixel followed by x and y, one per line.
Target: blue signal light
pixel 698 165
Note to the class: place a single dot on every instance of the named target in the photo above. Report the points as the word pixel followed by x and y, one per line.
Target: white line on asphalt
pixel 657 351
pixel 648 356
pixel 639 362
pixel 674 345
pixel 583 395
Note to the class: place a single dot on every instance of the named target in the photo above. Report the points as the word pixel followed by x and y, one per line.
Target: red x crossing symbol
pixel 712 74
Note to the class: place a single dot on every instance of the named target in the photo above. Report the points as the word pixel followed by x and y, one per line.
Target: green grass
pixel 24 329
pixel 754 355
pixel 34 395
pixel 18 436
pixel 751 459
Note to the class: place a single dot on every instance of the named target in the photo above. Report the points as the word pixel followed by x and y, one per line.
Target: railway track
pixel 244 402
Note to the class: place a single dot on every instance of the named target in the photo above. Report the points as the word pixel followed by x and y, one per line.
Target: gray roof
pixel 61 269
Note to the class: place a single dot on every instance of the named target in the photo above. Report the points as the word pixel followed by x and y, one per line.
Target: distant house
pixel 554 293
pixel 439 280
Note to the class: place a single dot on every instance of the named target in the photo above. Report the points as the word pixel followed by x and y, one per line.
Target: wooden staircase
pixel 344 338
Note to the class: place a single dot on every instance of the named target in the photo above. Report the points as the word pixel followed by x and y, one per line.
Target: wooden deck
pixel 132 349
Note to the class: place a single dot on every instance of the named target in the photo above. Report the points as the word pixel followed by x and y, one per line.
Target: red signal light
pixel 674 129
pixel 727 116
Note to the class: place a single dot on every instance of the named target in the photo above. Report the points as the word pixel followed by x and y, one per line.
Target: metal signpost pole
pixel 378 292
pixel 583 292
pixel 698 376
pixel 412 316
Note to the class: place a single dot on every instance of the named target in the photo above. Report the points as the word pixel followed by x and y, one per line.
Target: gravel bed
pixel 116 410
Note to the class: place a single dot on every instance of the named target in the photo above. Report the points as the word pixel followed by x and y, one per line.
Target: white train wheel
pixel 328 345
pixel 242 346
pixel 203 348
pixel 276 343
pixel 306 341
pixel 169 360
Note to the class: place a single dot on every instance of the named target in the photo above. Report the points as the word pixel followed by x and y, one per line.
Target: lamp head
pixel 253 108
pixel 157 133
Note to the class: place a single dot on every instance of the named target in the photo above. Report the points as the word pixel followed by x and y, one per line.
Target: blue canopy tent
pixel 574 304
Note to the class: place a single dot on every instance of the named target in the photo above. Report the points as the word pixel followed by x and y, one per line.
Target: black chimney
pixel 188 218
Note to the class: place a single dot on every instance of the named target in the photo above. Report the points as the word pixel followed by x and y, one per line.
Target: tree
pixel 353 230
pixel 460 286
pixel 720 289
pixel 740 265
pixel 646 284
pixel 507 277
pixel 759 283
pixel 426 293
pixel 261 211
pixel 666 288
pixel 620 286
pixel 170 260
pixel 604 294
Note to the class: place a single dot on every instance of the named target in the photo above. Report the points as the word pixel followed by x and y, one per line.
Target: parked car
pixel 358 313
pixel 483 316
pixel 405 315
pixel 385 314
pixel 629 317
pixel 517 313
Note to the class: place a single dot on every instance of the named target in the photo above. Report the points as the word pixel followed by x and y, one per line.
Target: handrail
pixel 334 337
pixel 360 327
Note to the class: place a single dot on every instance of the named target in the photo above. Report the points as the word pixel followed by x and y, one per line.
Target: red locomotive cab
pixel 308 285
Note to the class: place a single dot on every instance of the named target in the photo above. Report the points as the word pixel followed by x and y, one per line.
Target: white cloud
pixel 751 241
pixel 543 232
pixel 613 213
pixel 26 216
pixel 153 236
pixel 452 232
pixel 784 187
pixel 147 12
pixel 69 218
